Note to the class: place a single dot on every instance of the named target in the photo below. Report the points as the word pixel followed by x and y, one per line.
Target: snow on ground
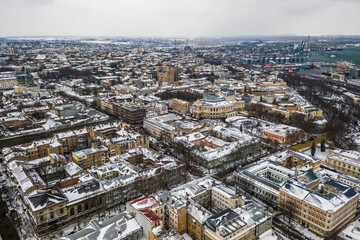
pixel 268 235
pixel 306 232
pixel 318 154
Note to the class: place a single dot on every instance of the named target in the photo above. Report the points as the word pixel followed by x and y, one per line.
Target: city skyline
pixel 161 18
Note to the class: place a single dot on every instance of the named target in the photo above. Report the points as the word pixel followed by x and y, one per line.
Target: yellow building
pixel 180 106
pixel 21 88
pixel 217 106
pixel 124 140
pixel 298 159
pixel 322 213
pixel 346 161
pixel 94 156
pixel 107 129
pixel 55 208
pixel 273 84
pixel 36 149
pixel 196 217
pixel 313 111
pixel 73 140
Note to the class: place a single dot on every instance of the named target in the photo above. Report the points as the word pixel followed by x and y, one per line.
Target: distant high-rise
pixel 168 75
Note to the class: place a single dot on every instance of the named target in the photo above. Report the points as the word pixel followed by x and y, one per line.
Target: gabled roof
pixel 45 198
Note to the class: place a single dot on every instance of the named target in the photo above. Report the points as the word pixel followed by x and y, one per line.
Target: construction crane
pixel 299 48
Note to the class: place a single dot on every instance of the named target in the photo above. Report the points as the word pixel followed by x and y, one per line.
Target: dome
pixel 214 98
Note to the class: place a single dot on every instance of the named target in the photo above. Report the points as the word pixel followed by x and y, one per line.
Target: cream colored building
pixel 323 213
pixel 346 161
pixel 224 198
pixel 180 106
pixel 217 106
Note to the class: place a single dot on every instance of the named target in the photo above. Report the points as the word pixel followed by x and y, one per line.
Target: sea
pixel 351 55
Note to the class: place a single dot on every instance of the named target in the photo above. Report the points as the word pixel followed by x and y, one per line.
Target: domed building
pixel 222 104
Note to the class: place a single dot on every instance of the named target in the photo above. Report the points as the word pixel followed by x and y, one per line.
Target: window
pixel 86 206
pixel 72 212
pixel 79 209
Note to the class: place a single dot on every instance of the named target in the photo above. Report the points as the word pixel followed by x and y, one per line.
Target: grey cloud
pixel 178 17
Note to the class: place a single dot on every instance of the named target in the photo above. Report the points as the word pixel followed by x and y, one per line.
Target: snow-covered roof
pixel 326 202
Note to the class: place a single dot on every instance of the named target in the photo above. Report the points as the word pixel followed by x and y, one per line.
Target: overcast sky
pixel 169 18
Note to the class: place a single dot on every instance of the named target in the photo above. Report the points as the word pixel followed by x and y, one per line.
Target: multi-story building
pixel 130 112
pixel 231 154
pixel 279 133
pixel 325 212
pixel 125 139
pixel 74 140
pixel 141 207
pixel 172 211
pixel 34 150
pixel 44 215
pixel 107 129
pixel 158 108
pixel 158 127
pixel 217 106
pixel 122 226
pixel 180 106
pixel 65 206
pixel 97 155
pixel 224 198
pixel 346 161
pixel 170 75
pixel 197 216
pixel 8 82
pixel 263 180
pixel 247 223
pixel 291 159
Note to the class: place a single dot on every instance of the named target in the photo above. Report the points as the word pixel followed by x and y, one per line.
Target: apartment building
pixel 246 223
pixel 159 128
pixel 107 129
pixel 180 106
pixel 74 140
pixel 170 75
pixel 82 199
pixel 34 150
pixel 97 155
pixel 130 112
pixel 224 198
pixel 141 207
